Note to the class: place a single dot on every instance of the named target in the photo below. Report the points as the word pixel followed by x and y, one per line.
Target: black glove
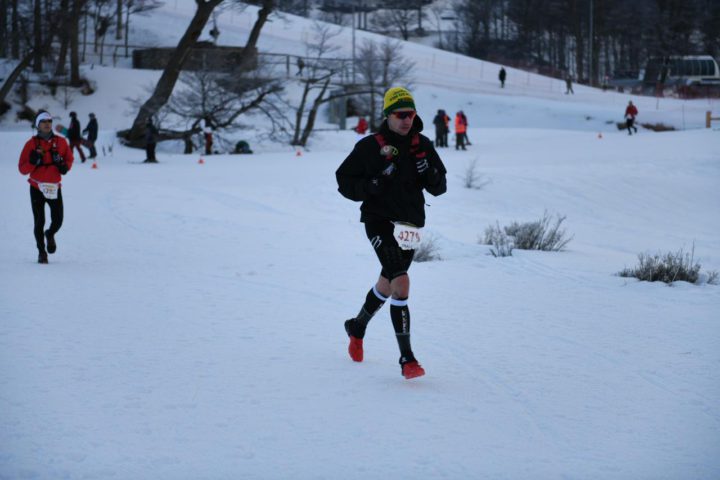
pixel 429 174
pixel 36 158
pixel 59 162
pixel 422 166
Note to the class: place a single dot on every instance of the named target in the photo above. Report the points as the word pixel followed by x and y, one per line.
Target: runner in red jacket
pixel 630 113
pixel 45 158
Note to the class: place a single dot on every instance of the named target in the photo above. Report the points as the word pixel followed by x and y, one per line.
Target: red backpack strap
pixel 380 139
pixel 388 151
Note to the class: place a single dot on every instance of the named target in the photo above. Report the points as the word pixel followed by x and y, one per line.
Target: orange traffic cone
pixel 201 161
pixel 94 165
pixel 298 153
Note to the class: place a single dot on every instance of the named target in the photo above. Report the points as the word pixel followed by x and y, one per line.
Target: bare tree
pixel 169 77
pixel 220 99
pixel 316 80
pixel 381 66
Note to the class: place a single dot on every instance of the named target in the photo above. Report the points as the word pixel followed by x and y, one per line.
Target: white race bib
pixel 49 190
pixel 407 236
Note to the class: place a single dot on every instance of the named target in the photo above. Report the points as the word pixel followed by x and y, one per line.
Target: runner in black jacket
pixel 388 172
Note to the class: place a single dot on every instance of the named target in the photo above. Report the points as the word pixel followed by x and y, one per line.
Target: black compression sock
pixel 400 315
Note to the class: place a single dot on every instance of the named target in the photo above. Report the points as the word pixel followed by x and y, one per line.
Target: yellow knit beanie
pixel 395 98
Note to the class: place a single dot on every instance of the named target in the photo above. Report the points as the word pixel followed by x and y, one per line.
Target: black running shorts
pixel 394 260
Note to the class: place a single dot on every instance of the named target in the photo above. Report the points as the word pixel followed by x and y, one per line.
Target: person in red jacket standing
pixel 460 129
pixel 45 158
pixel 630 113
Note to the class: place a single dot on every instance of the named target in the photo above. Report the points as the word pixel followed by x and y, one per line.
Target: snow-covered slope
pixel 190 324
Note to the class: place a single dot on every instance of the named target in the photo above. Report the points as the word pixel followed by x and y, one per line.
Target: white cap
pixel 42 116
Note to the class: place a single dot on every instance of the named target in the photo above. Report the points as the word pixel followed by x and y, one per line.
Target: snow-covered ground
pixel 190 324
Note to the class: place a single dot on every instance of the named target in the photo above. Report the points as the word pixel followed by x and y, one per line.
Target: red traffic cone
pixel 201 161
pixel 94 165
pixel 599 134
pixel 298 153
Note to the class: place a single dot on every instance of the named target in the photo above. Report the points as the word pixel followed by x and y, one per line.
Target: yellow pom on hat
pixel 395 98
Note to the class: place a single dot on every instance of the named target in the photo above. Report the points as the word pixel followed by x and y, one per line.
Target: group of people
pixel 75 135
pixel 442 128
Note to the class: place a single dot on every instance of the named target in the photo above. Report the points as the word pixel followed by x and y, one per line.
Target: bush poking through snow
pixel 472 178
pixel 501 245
pixel 668 268
pixel 428 249
pixel 539 235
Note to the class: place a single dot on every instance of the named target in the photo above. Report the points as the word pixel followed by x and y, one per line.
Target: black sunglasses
pixel 404 115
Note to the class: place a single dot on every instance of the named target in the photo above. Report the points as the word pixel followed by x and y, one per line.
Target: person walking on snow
pixel 630 113
pixel 502 76
pixel 568 85
pixel 45 157
pixel 92 133
pixel 388 172
pixel 75 136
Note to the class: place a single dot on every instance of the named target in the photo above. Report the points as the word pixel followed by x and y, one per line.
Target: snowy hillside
pixel 190 324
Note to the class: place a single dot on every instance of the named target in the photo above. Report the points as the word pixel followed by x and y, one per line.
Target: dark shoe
pixel 411 368
pixel 51 245
pixel 355 349
pixel 42 257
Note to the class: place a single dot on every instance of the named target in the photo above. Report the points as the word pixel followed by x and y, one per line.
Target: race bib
pixel 49 190
pixel 407 236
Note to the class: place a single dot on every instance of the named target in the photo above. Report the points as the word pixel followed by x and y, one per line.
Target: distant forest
pixel 549 36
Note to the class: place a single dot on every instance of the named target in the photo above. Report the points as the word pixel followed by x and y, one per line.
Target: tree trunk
pixel 64 40
pixel 170 75
pixel 299 115
pixel 119 25
pixel 37 37
pixel 3 28
pixel 14 75
pixel 15 23
pixel 310 124
pixel 263 13
pixel 73 31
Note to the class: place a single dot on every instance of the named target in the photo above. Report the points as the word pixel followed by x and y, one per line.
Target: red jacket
pixel 47 172
pixel 631 111
pixel 460 124
pixel 362 126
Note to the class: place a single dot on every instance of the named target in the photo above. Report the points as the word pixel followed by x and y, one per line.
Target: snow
pixel 190 324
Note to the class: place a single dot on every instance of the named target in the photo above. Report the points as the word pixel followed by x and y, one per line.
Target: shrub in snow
pixel 472 178
pixel 658 127
pixel 501 245
pixel 428 249
pixel 668 268
pixel 539 235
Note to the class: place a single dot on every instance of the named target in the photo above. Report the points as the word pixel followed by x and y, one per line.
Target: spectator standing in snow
pixel 630 113
pixel 502 76
pixel 388 172
pixel 441 128
pixel 91 130
pixel 300 65
pixel 362 126
pixel 460 129
pixel 568 85
pixel 45 158
pixel 75 135
pixel 208 134
pixel 151 133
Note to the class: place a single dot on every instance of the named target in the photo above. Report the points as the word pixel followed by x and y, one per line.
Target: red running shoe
pixel 412 369
pixel 355 349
